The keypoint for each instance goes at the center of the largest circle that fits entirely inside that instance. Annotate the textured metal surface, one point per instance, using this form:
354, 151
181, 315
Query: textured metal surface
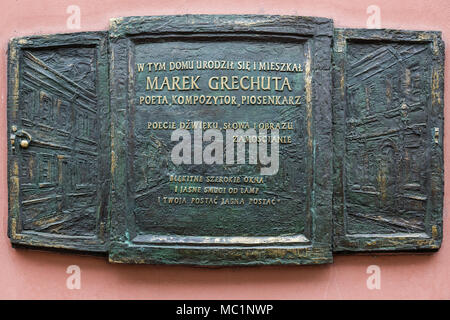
57, 118
388, 140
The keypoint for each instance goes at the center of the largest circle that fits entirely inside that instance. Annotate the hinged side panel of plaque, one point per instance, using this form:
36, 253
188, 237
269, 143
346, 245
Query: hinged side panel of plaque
58, 141
388, 140
178, 83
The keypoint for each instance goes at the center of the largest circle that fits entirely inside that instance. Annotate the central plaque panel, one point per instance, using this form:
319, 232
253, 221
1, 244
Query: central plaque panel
221, 126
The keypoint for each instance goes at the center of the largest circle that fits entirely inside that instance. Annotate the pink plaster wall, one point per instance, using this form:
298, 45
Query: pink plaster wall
32, 274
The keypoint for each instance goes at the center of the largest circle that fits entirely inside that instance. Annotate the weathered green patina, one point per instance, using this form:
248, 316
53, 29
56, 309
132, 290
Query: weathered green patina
92, 116
58, 120
388, 140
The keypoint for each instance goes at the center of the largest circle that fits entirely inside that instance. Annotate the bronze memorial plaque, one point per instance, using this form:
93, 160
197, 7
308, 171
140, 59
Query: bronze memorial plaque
226, 140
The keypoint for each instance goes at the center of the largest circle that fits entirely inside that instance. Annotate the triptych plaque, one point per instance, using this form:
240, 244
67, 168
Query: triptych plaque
226, 140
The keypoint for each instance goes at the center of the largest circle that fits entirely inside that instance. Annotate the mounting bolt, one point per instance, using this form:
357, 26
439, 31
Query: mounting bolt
436, 135
24, 144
